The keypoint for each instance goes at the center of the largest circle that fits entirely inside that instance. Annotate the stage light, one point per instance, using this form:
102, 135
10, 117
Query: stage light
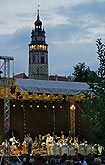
53, 106
14, 105
45, 106
72, 107
22, 105
31, 106
37, 106
60, 106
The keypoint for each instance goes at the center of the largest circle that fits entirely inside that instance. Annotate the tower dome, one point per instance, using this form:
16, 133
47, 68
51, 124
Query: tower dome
38, 23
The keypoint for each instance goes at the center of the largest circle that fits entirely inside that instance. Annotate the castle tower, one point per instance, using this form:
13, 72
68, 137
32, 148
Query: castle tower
38, 52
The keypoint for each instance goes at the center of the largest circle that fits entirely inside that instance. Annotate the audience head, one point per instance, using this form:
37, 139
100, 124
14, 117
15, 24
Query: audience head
97, 161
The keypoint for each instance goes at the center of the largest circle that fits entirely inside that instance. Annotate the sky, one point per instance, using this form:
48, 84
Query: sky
72, 28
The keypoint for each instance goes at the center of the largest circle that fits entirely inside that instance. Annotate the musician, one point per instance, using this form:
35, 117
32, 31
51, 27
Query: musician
5, 146
13, 141
39, 140
76, 145
29, 142
55, 139
49, 144
14, 146
69, 135
62, 135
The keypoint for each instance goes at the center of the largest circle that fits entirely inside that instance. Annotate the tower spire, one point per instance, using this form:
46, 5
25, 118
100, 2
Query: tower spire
38, 12
38, 23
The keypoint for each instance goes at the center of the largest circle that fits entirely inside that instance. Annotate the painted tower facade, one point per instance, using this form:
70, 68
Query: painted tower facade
38, 52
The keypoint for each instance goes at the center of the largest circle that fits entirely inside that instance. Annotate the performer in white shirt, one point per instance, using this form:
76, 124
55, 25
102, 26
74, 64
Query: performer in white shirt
13, 141
49, 144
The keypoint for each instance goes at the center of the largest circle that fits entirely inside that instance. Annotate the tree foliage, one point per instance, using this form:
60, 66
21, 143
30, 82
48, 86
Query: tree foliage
95, 100
101, 57
82, 73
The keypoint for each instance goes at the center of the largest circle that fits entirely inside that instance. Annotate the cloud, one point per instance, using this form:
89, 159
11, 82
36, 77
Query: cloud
20, 36
16, 45
81, 22
96, 8
71, 32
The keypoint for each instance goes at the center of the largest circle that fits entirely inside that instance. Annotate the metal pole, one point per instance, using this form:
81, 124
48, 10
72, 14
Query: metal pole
6, 106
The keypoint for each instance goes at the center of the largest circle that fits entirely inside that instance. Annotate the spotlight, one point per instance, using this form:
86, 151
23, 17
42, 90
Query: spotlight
30, 105
60, 106
72, 107
14, 105
21, 105
53, 106
37, 106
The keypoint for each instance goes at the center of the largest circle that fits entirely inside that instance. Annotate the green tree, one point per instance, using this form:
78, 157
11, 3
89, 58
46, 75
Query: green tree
82, 73
95, 100
101, 57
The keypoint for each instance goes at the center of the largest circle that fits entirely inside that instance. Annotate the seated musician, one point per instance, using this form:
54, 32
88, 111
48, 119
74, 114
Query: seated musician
39, 140
62, 135
13, 141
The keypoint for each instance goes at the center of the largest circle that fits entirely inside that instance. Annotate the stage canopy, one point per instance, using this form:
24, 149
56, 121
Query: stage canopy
51, 87
30, 89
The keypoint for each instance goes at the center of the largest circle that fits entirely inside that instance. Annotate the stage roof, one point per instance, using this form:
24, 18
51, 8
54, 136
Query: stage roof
51, 87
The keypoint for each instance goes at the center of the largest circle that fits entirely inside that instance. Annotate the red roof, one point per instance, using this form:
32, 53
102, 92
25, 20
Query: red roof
58, 78
21, 75
51, 77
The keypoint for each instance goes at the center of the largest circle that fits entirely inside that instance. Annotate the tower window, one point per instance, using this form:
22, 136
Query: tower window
42, 59
33, 59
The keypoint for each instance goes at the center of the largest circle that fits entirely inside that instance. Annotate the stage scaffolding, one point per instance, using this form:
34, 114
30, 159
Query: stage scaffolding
6, 85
